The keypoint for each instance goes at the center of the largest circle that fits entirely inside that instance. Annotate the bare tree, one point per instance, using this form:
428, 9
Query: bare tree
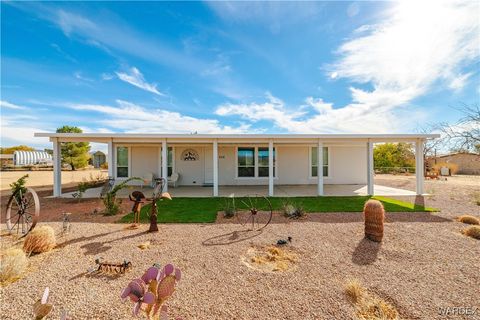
465, 133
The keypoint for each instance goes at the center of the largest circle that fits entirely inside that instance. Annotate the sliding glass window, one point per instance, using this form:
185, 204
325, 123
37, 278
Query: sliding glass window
246, 162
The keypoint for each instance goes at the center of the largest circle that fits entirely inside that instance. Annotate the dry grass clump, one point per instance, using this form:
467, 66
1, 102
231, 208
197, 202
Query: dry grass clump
472, 231
270, 258
12, 265
468, 219
369, 306
354, 290
40, 239
144, 245
453, 167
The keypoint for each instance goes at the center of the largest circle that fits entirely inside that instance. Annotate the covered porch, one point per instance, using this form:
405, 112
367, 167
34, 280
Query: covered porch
222, 165
240, 191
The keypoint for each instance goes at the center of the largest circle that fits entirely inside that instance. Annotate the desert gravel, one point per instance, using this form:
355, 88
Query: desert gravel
423, 264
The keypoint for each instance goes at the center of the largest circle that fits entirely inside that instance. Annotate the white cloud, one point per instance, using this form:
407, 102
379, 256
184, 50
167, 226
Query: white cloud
135, 78
416, 45
6, 104
129, 117
460, 81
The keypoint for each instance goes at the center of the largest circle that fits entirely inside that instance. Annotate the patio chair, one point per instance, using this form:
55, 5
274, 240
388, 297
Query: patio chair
148, 179
173, 179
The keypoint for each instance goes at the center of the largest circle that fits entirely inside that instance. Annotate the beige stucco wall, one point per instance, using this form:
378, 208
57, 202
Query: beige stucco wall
347, 165
144, 161
192, 173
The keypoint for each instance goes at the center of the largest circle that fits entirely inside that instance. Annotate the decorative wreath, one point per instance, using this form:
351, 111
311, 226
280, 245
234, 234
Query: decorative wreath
189, 155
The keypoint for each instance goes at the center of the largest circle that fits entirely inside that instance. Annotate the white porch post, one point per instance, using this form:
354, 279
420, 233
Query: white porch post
419, 166
57, 169
215, 168
110, 156
370, 171
320, 168
165, 164
270, 168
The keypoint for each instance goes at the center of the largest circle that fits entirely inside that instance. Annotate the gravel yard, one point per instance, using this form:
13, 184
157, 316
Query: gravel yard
423, 264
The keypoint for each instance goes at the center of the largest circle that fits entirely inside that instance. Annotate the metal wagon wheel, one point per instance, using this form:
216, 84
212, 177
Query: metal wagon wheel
23, 211
254, 211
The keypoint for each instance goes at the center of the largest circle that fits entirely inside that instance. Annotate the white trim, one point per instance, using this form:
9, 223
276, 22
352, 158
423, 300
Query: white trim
237, 136
310, 163
215, 167
370, 169
419, 167
255, 155
165, 163
57, 169
271, 153
110, 157
320, 163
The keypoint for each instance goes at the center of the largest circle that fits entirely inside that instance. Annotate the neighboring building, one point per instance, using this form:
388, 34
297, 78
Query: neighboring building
242, 159
6, 160
98, 159
468, 163
28, 158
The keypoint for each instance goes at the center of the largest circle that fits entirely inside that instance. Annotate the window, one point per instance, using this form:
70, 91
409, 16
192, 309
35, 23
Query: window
122, 162
246, 162
314, 158
263, 162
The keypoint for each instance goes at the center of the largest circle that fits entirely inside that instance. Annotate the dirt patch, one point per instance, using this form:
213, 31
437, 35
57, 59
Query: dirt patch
270, 258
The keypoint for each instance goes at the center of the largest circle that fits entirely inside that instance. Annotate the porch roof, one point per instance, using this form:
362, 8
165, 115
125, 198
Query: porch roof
232, 138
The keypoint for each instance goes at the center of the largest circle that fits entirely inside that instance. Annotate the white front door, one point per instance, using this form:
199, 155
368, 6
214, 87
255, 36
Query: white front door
208, 161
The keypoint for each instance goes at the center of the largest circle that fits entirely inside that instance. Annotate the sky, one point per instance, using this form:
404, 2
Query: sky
235, 67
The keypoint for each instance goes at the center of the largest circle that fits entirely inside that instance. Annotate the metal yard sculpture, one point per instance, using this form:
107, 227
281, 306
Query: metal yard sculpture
23, 208
138, 198
254, 210
158, 195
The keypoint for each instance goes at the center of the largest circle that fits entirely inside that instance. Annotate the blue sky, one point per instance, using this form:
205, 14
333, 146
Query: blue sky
230, 67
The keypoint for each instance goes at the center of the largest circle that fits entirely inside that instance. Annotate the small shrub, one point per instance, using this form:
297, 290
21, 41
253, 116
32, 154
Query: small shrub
476, 198
112, 205
13, 263
292, 210
229, 208
472, 231
468, 219
369, 306
41, 239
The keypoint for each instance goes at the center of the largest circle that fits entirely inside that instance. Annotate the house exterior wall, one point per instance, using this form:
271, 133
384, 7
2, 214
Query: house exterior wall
144, 161
347, 165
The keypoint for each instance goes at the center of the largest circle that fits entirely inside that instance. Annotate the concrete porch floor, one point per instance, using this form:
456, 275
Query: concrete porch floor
238, 191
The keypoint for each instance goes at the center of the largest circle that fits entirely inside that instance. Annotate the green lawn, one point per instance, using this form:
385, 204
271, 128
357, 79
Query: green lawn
195, 210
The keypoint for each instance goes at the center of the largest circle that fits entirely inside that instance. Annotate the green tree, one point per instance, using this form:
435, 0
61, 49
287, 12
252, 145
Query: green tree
74, 153
391, 155
11, 150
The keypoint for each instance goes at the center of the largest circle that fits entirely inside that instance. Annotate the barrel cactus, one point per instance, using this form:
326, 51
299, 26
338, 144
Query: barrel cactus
374, 216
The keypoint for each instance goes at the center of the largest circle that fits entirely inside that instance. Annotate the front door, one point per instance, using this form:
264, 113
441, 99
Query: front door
208, 161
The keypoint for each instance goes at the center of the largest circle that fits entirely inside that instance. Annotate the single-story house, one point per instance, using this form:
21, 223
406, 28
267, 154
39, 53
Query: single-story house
468, 163
217, 160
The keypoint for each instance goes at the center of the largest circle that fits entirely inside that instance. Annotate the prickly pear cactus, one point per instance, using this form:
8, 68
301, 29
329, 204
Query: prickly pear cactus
150, 292
42, 308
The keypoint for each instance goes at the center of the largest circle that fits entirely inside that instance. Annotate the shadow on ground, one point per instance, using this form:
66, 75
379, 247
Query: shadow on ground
366, 252
231, 237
